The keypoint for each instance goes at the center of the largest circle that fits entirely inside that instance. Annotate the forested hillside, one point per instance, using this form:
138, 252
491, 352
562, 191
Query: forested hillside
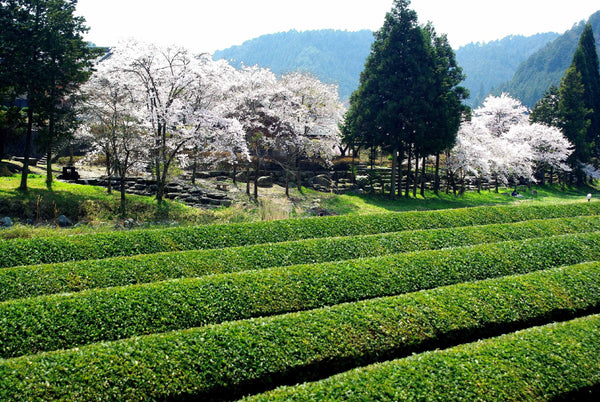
339, 57
487, 65
333, 56
547, 66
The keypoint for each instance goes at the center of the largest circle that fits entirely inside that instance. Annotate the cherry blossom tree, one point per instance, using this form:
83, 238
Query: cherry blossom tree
260, 103
112, 124
550, 149
470, 157
500, 143
500, 113
176, 90
313, 123
510, 161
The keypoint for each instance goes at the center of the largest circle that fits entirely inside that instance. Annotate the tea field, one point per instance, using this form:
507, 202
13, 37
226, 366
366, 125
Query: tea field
483, 303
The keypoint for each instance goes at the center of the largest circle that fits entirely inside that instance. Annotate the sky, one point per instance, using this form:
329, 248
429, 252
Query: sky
209, 25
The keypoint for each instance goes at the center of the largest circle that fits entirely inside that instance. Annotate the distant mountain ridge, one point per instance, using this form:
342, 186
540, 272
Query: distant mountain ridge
547, 66
488, 65
523, 66
333, 56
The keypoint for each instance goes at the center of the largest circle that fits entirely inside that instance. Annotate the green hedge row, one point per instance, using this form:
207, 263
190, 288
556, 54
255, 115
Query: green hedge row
104, 245
28, 281
63, 321
555, 362
223, 359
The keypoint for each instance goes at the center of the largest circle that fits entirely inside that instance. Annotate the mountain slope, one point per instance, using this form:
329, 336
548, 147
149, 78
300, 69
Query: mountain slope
487, 65
333, 56
547, 66
339, 57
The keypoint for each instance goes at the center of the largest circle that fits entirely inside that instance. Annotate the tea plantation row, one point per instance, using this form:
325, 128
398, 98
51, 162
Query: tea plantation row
31, 325
554, 362
253, 352
29, 281
250, 307
103, 245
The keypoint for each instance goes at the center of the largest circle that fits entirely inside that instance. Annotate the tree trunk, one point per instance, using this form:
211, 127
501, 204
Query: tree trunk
194, 167
160, 157
400, 160
436, 179
123, 202
298, 175
108, 174
27, 151
248, 179
394, 172
49, 151
408, 171
234, 174
49, 165
353, 169
423, 178
416, 181
287, 183
256, 173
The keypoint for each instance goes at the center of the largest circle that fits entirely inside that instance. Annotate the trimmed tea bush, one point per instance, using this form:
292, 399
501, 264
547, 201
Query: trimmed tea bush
103, 245
28, 281
553, 362
208, 361
63, 321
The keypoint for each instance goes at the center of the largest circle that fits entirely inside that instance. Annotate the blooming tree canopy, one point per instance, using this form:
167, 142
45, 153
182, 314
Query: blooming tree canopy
178, 95
313, 122
500, 113
499, 143
192, 109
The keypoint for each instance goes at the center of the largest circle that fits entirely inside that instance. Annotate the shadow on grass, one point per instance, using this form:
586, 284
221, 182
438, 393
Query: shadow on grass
348, 204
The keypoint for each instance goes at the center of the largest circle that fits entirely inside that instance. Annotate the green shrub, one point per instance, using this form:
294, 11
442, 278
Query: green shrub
27, 281
555, 362
104, 245
31, 325
215, 360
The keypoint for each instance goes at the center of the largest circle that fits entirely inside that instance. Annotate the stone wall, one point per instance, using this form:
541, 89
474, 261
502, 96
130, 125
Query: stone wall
177, 190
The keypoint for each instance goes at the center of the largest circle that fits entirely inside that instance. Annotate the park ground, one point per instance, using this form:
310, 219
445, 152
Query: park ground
92, 209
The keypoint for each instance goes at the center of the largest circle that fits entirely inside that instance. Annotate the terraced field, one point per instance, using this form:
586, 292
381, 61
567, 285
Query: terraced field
489, 303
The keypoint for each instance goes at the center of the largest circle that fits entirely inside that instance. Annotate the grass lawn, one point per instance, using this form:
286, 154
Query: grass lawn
100, 211
347, 204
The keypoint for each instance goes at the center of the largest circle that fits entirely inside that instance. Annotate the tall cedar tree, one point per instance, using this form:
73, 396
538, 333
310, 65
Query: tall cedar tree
384, 107
406, 92
586, 63
447, 108
574, 117
545, 111
43, 56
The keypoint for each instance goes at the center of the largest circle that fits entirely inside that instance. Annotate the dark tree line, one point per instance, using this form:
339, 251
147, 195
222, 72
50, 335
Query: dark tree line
574, 106
43, 56
409, 101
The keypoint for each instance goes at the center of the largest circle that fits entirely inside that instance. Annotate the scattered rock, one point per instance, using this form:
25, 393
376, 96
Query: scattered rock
265, 181
64, 222
129, 223
6, 222
322, 181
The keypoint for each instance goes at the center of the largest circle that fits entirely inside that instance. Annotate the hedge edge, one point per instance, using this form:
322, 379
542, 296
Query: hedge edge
103, 245
217, 360
31, 325
31, 281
